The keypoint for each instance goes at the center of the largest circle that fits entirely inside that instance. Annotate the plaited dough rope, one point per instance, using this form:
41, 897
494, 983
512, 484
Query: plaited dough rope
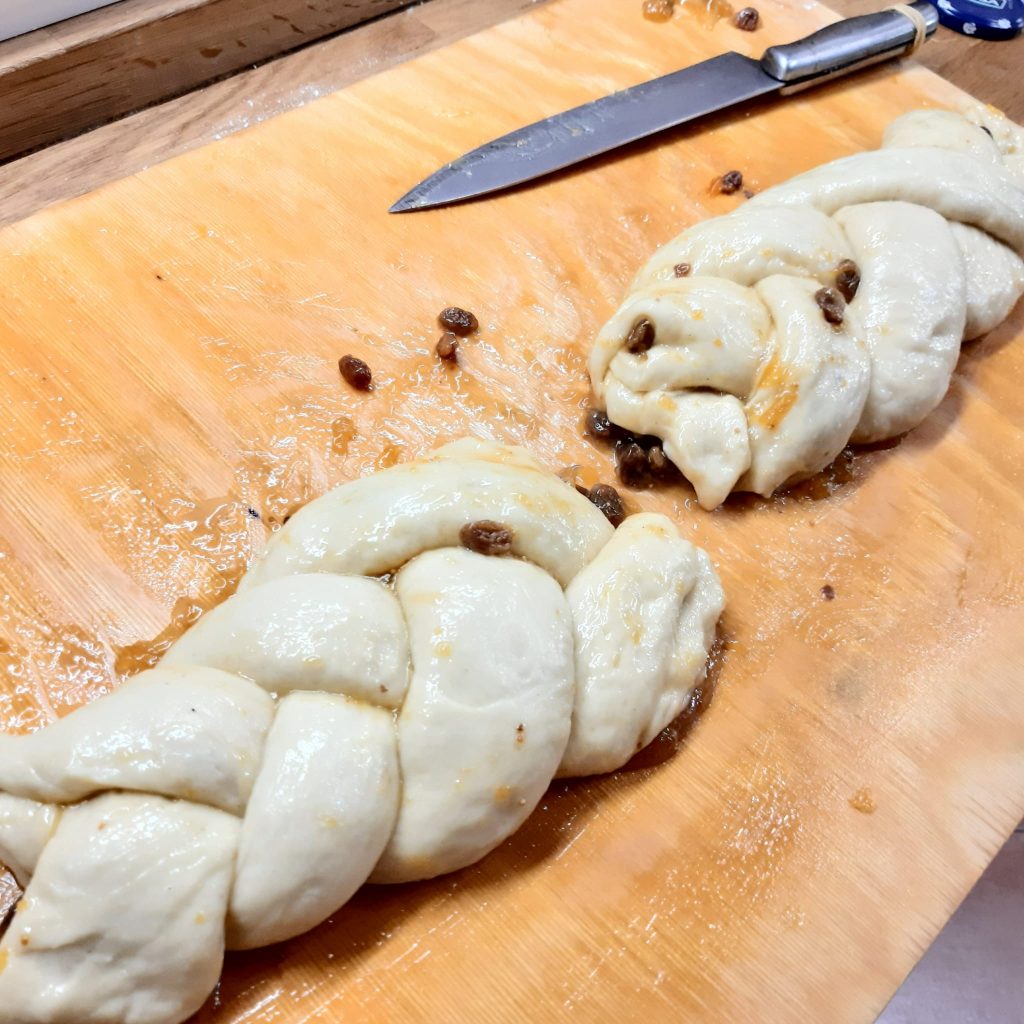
321, 728
752, 375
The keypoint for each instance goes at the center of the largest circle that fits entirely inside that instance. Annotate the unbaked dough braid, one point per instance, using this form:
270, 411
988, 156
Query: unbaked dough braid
746, 381
378, 701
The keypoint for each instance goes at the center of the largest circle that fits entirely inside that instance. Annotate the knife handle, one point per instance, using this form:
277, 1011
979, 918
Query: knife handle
848, 44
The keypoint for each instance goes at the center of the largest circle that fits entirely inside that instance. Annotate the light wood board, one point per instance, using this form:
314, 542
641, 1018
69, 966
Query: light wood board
169, 363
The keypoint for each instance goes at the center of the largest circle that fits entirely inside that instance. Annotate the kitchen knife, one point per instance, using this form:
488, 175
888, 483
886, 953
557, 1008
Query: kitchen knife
719, 83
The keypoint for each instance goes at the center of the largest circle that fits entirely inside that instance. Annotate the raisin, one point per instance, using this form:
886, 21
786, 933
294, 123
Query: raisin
730, 182
486, 537
682, 269
631, 464
608, 500
659, 463
598, 425
355, 372
847, 279
640, 337
748, 19
448, 347
828, 592
832, 305
458, 321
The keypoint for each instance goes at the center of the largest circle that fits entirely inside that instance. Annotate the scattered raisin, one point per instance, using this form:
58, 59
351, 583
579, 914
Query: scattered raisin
682, 269
486, 537
640, 337
598, 425
355, 372
748, 19
847, 279
828, 592
730, 182
448, 347
832, 305
458, 321
608, 500
631, 464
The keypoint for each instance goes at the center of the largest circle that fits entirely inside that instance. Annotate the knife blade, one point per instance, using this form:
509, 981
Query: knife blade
604, 124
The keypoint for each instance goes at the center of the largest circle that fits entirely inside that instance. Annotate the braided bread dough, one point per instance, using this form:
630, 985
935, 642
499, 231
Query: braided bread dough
747, 385
321, 728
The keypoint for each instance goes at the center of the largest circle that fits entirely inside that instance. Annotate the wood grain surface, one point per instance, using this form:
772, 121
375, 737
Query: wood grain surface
169, 364
75, 75
113, 151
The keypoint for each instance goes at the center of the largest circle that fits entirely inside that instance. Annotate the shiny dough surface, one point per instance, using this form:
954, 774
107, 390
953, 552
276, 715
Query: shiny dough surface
376, 702
747, 384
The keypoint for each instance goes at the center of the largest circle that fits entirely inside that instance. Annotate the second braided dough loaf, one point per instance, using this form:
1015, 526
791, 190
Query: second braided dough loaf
827, 310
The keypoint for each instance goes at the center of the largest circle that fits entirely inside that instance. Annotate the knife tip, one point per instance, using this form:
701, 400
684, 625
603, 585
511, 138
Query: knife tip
412, 200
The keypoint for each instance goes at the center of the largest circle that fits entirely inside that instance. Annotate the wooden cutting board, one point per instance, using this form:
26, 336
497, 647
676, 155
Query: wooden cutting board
168, 373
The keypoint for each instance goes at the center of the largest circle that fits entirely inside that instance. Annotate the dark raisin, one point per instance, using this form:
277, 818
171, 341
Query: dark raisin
847, 279
828, 592
731, 181
458, 321
448, 347
608, 500
486, 537
831, 303
640, 337
748, 19
631, 464
658, 461
598, 425
355, 372
682, 269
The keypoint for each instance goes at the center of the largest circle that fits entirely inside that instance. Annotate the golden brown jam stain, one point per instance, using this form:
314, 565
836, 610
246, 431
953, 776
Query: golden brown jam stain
658, 10
824, 484
707, 13
143, 654
863, 801
343, 431
771, 410
390, 455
